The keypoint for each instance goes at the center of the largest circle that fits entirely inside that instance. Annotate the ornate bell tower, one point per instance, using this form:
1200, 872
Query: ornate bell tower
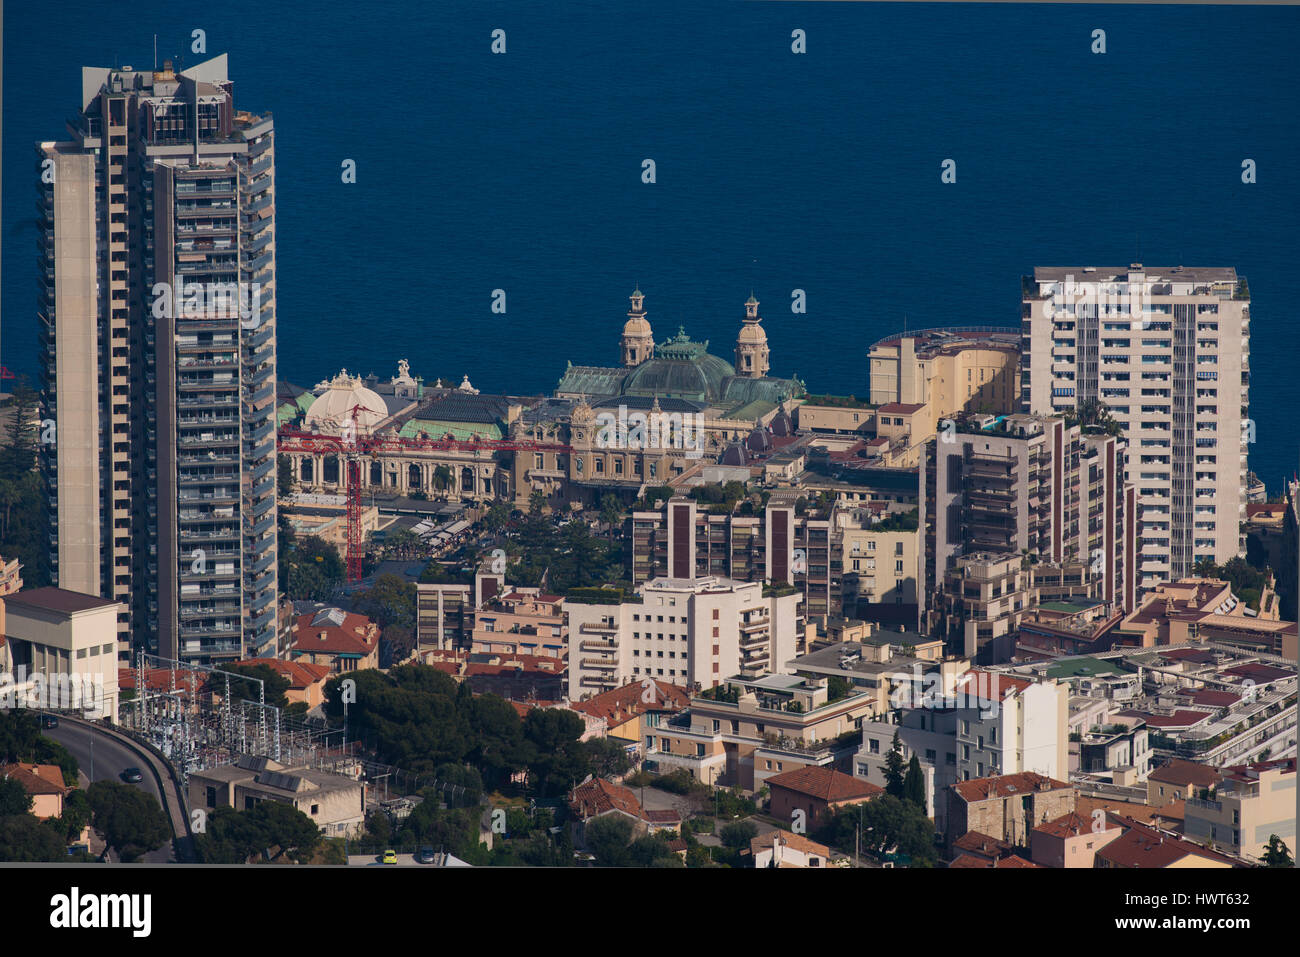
751, 344
638, 343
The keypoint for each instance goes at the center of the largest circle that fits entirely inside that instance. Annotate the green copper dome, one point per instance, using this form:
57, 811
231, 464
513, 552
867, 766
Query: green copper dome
680, 369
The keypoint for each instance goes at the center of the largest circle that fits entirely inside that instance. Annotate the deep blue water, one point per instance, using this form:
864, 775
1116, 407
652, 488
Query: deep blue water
775, 171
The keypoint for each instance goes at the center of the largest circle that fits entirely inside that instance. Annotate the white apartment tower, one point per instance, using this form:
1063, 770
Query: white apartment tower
1167, 350
691, 632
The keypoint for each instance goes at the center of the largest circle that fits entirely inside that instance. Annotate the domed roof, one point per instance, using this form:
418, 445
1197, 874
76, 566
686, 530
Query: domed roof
752, 332
734, 455
637, 326
680, 369
759, 440
781, 424
333, 409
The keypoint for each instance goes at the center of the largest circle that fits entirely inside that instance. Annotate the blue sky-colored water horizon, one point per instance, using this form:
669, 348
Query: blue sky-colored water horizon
775, 171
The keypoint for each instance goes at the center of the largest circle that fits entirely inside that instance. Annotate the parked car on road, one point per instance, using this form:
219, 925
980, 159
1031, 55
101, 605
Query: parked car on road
132, 775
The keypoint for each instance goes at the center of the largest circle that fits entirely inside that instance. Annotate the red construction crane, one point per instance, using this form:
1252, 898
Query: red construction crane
353, 446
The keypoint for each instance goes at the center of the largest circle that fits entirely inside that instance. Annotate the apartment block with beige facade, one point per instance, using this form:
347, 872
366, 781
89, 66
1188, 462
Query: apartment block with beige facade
692, 632
1031, 487
748, 729
1249, 804
1167, 349
946, 372
65, 646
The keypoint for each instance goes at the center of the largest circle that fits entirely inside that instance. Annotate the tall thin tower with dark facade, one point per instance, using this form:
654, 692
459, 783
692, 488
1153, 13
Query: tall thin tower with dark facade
158, 351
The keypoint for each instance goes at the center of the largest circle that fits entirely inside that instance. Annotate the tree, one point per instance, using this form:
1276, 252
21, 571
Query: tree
914, 784
894, 768
132, 821
270, 830
76, 814
27, 839
497, 517
315, 569
275, 685
389, 602
738, 834
608, 837
611, 511
283, 476
14, 798
1276, 853
536, 502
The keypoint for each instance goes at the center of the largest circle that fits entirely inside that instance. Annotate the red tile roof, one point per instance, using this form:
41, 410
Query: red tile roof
982, 845
599, 796
1010, 861
621, 704
36, 778
358, 635
1074, 824
1182, 773
1146, 847
1006, 785
825, 784
301, 674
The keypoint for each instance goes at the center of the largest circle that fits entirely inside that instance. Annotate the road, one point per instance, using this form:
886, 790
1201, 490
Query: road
110, 759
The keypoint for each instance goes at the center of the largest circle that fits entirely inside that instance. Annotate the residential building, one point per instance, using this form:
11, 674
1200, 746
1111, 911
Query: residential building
742, 732
1202, 609
1179, 780
1146, 847
157, 325
342, 641
1072, 840
966, 725
813, 794
597, 797
938, 374
43, 784
1167, 350
784, 849
691, 632
306, 680
1006, 807
65, 643
335, 802
523, 621
1029, 486
1249, 804
628, 709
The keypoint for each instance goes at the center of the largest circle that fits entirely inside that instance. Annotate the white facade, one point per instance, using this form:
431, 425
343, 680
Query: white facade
1168, 351
988, 725
686, 632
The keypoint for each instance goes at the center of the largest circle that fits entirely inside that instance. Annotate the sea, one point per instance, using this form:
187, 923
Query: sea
518, 179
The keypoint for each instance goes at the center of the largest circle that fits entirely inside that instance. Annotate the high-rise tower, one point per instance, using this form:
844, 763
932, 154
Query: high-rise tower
159, 278
1167, 351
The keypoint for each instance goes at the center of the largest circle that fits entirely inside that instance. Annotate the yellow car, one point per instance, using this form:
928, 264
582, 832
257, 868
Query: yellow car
390, 857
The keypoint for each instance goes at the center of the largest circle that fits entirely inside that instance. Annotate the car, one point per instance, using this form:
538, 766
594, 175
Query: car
425, 855
390, 857
49, 721
132, 775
